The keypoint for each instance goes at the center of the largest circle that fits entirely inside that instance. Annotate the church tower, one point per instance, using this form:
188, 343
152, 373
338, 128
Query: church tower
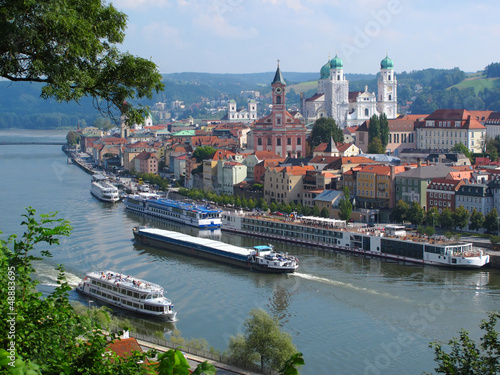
337, 93
279, 102
387, 101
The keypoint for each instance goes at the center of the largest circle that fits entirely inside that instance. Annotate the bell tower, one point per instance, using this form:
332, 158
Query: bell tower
279, 101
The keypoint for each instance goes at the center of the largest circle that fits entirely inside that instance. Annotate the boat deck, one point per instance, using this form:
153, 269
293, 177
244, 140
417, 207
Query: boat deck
125, 281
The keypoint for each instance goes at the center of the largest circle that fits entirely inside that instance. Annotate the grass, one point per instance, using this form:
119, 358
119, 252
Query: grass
478, 83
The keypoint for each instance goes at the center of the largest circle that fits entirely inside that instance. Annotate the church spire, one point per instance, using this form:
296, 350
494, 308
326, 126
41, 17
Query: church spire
278, 78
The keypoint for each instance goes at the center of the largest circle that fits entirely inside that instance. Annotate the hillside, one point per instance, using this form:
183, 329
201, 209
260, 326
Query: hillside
418, 92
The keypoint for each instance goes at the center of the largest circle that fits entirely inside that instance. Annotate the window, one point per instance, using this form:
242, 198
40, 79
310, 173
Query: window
278, 141
289, 141
278, 99
367, 113
259, 141
269, 141
299, 140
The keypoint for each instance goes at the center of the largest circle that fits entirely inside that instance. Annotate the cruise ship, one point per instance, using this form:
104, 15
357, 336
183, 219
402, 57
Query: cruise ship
260, 258
128, 293
391, 242
103, 190
168, 209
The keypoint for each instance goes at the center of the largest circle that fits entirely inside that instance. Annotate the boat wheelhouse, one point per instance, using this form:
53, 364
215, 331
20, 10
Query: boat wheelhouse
128, 293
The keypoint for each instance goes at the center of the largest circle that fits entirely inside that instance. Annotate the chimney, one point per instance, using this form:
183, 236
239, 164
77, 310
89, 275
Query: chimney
419, 162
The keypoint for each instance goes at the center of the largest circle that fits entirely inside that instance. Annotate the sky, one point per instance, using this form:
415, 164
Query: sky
250, 36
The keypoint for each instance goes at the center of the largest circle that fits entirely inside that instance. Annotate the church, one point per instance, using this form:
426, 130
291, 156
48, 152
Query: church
280, 132
334, 100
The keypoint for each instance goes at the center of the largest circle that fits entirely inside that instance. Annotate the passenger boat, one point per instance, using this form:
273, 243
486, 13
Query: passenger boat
260, 258
103, 190
128, 293
391, 242
169, 209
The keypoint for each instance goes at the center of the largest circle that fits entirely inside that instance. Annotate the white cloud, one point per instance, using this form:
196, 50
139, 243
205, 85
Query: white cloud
143, 5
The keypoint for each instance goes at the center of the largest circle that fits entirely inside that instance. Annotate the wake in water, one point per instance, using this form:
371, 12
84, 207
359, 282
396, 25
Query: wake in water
46, 274
345, 285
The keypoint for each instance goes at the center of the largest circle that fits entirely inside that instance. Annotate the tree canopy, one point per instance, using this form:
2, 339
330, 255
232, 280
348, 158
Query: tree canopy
71, 47
263, 342
345, 205
325, 128
203, 152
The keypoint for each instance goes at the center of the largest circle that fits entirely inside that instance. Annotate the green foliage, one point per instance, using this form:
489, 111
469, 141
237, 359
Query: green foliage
492, 70
495, 240
290, 366
345, 205
476, 220
263, 342
460, 217
324, 212
72, 138
400, 212
416, 214
432, 216
82, 58
152, 179
468, 358
325, 128
315, 210
491, 221
273, 207
460, 147
375, 147
203, 152
446, 219
173, 362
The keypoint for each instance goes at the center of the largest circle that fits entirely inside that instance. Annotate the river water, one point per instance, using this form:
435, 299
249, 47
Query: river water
346, 314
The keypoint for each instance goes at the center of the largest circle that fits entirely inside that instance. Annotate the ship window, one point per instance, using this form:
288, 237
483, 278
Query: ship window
129, 293
123, 291
136, 305
93, 282
136, 295
115, 289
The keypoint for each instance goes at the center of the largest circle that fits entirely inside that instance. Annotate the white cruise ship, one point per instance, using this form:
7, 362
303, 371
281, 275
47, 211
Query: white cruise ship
128, 293
103, 190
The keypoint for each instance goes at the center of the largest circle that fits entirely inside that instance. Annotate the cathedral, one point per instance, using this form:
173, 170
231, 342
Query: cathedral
334, 100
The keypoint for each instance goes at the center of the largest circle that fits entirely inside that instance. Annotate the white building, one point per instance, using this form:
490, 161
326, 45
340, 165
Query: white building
334, 100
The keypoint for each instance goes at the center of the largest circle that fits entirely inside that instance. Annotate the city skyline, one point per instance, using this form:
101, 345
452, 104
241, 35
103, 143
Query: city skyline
234, 36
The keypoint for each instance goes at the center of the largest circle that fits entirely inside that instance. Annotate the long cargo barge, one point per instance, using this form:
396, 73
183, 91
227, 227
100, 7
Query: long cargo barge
260, 258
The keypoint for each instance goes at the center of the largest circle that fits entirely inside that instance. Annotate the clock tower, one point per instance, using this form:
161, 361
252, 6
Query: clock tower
280, 132
279, 102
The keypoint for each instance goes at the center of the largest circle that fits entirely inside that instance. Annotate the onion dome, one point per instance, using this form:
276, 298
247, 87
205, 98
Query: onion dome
336, 63
386, 63
325, 71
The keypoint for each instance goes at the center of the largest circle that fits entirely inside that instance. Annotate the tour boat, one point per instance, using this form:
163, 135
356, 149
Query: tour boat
128, 293
103, 190
260, 258
391, 242
168, 209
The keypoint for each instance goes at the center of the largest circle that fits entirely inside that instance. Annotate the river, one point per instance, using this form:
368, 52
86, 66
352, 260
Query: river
346, 314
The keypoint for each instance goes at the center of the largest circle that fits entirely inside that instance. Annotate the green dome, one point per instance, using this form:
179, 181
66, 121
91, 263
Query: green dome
336, 63
386, 63
325, 71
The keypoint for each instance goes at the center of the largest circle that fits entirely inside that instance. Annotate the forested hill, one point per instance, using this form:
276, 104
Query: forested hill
420, 91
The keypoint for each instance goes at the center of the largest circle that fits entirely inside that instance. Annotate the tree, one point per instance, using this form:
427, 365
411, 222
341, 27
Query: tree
461, 148
416, 214
50, 336
400, 212
323, 130
71, 46
263, 343
203, 152
315, 210
375, 147
460, 217
374, 128
491, 221
72, 138
432, 216
468, 358
384, 130
446, 219
324, 212
476, 220
345, 205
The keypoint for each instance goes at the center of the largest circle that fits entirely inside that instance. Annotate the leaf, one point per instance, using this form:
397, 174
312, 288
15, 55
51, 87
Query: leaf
205, 368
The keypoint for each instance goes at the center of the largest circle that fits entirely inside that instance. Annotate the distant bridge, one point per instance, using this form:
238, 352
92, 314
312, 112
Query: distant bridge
32, 143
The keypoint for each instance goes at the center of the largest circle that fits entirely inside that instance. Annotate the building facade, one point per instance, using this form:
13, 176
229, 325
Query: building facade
280, 132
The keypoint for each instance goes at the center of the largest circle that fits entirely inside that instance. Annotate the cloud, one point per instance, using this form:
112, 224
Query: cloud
143, 5
161, 34
218, 25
